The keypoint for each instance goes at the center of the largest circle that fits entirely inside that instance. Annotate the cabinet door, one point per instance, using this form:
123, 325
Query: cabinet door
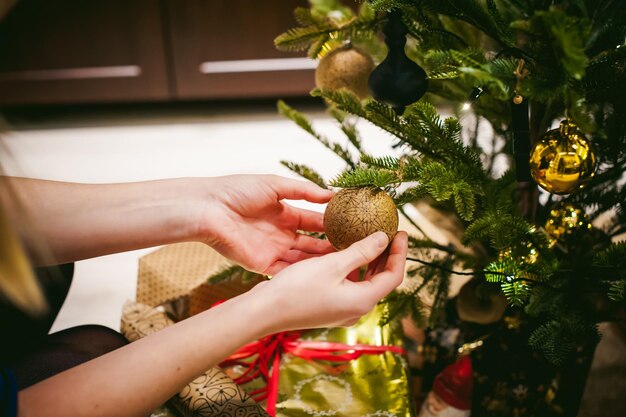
55, 51
224, 48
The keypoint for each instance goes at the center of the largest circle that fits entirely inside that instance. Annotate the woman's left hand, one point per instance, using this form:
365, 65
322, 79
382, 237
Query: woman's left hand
246, 220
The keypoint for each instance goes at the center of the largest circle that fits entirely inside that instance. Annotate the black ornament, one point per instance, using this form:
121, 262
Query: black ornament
397, 81
521, 140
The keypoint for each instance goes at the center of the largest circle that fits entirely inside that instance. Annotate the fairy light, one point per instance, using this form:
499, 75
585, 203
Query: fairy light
473, 97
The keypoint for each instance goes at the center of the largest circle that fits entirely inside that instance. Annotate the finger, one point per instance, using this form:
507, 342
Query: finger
377, 266
311, 244
381, 284
293, 256
360, 253
287, 188
310, 221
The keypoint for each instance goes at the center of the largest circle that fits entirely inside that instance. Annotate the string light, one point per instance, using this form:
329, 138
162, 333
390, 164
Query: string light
473, 97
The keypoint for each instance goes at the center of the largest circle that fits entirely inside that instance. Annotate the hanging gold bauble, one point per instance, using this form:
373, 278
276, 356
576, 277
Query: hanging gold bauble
566, 219
562, 161
345, 67
355, 213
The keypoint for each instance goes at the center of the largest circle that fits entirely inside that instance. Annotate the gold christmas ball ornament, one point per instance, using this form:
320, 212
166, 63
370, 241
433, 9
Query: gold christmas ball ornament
345, 67
566, 219
355, 213
562, 161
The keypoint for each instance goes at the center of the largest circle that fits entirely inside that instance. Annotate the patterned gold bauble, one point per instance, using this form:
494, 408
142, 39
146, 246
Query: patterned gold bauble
566, 219
562, 161
345, 67
355, 213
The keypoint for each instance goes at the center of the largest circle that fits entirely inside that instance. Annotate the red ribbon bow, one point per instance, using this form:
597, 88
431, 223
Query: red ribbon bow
269, 350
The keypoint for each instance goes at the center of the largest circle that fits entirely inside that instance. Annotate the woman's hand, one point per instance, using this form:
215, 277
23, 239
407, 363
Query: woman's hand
242, 216
318, 293
246, 220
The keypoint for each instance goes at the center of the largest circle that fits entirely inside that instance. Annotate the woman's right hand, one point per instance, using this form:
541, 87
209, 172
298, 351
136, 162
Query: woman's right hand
317, 292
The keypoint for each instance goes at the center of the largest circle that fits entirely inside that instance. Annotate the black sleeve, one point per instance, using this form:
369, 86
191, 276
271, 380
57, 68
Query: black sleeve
8, 394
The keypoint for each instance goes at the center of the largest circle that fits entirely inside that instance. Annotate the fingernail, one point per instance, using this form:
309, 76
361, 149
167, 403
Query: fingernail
381, 239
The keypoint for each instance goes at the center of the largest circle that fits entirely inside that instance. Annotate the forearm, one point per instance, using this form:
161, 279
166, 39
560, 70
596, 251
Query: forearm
134, 380
79, 221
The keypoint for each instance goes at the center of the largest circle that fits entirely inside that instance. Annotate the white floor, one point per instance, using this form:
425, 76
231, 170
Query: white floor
174, 146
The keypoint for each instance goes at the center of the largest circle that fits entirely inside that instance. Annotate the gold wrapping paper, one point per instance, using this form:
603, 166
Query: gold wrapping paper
370, 386
175, 276
374, 385
212, 394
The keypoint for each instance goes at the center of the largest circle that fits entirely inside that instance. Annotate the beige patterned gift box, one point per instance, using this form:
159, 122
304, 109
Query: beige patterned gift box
176, 277
212, 394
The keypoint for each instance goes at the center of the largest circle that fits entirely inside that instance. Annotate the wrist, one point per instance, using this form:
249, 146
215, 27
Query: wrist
191, 203
262, 308
243, 319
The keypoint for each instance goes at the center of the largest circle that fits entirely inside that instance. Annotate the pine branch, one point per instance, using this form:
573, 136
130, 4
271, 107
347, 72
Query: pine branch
469, 11
384, 162
613, 256
444, 183
360, 177
343, 99
305, 124
316, 32
410, 195
550, 340
347, 127
305, 172
500, 228
443, 268
226, 274
558, 338
426, 243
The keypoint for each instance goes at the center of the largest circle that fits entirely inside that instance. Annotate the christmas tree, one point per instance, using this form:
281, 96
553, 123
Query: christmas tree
547, 226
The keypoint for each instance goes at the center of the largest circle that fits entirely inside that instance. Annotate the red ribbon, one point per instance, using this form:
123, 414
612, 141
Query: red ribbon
269, 350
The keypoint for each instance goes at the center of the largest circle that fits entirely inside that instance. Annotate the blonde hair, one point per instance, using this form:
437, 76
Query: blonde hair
18, 283
17, 279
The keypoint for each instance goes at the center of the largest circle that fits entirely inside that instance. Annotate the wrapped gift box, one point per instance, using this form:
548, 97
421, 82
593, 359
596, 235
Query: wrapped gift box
212, 394
176, 277
177, 280
318, 376
374, 385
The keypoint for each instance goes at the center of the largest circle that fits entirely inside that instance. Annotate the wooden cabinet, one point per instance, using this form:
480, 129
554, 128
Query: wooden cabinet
75, 51
58, 51
224, 48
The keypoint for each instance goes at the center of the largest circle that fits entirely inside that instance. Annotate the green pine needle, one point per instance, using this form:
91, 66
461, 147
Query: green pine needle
306, 172
361, 177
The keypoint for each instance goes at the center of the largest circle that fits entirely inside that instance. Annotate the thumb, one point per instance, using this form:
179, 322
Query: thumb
361, 253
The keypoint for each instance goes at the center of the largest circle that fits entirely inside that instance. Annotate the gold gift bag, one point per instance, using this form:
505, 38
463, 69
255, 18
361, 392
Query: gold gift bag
373, 385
